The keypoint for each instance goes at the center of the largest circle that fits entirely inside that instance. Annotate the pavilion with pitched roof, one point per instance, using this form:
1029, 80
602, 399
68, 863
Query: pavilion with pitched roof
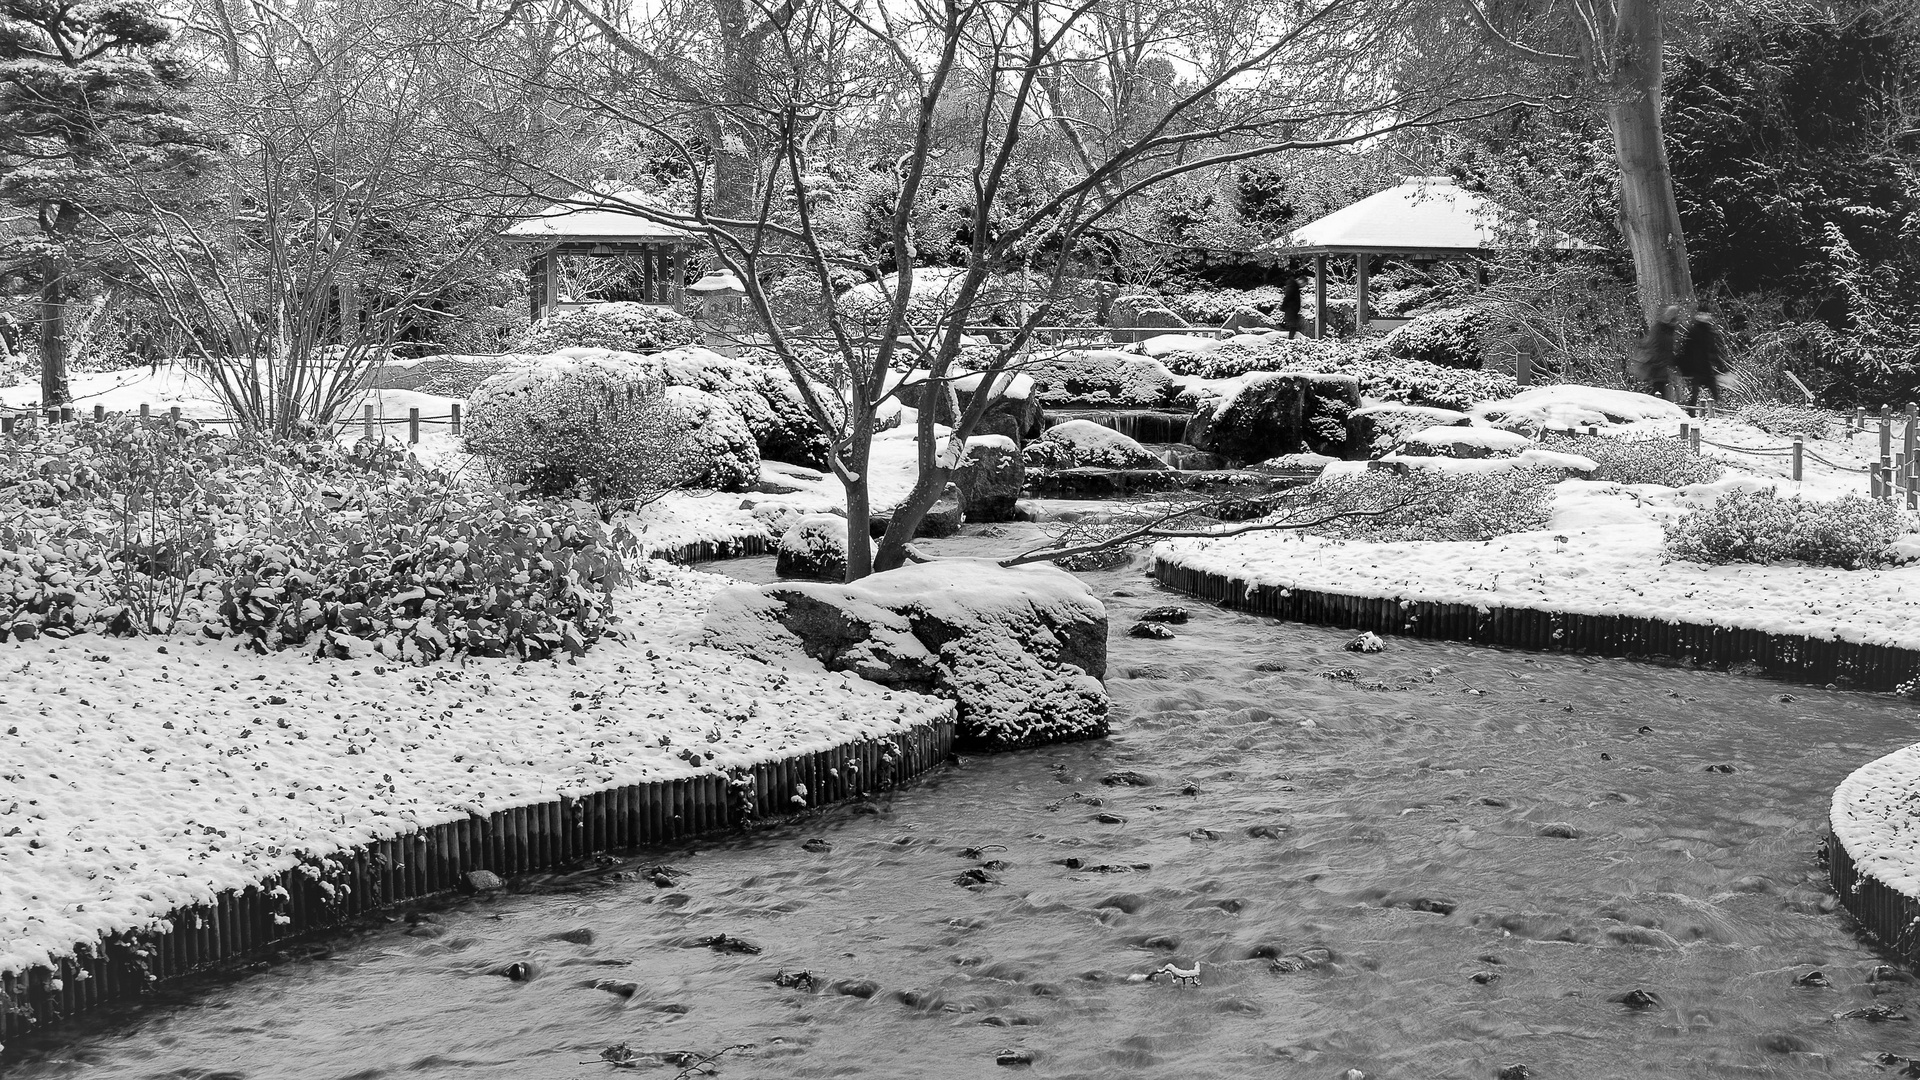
1422, 217
603, 226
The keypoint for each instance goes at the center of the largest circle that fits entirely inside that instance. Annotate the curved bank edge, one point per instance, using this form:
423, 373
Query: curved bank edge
327, 892
1873, 849
1790, 656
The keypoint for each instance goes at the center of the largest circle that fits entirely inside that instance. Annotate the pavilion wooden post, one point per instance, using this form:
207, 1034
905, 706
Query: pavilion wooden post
647, 257
1360, 293
1319, 296
543, 282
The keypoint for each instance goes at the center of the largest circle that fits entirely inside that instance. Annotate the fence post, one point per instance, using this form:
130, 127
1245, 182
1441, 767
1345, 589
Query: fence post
1859, 418
53, 414
99, 413
173, 414
1886, 439
146, 412
413, 426
366, 422
1694, 439
456, 418
1799, 457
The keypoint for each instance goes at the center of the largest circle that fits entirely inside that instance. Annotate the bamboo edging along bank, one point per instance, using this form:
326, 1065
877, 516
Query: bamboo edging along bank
327, 891
1792, 656
1891, 915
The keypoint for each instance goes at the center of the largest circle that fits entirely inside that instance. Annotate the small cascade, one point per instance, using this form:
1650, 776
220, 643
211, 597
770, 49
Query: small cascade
1181, 455
1140, 425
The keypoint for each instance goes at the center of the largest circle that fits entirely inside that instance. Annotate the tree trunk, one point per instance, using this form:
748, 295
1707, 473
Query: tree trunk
859, 493
1649, 215
53, 332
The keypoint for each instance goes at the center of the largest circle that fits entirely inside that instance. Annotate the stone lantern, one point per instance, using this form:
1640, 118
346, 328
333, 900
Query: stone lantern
722, 311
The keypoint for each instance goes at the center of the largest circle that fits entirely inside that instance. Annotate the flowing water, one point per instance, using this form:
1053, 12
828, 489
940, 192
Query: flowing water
1432, 862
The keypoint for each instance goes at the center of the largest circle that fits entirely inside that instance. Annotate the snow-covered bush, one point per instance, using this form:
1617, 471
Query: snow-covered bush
763, 393
127, 527
1432, 505
1085, 444
1213, 306
1640, 461
1850, 533
640, 328
1454, 338
1786, 421
719, 451
596, 426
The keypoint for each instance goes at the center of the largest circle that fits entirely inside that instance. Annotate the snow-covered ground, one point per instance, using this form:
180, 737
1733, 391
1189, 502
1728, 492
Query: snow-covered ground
140, 775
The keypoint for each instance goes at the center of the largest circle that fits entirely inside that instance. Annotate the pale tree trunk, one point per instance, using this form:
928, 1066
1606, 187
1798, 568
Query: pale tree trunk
1649, 215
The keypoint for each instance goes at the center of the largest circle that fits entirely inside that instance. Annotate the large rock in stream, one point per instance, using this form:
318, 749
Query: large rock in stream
1020, 651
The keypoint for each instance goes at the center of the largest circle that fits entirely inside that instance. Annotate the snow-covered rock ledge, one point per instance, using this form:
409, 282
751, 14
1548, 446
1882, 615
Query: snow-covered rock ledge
1019, 651
163, 789
1874, 854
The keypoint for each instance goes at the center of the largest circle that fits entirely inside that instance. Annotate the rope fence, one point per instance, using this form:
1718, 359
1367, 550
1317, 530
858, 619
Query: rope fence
370, 421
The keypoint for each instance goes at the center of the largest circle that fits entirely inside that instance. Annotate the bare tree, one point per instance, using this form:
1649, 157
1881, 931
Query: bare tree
341, 211
944, 110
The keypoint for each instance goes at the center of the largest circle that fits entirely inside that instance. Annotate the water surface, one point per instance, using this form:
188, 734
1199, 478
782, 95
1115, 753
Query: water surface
1430, 862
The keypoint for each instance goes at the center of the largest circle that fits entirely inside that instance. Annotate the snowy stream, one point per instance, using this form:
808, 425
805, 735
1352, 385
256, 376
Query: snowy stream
1431, 862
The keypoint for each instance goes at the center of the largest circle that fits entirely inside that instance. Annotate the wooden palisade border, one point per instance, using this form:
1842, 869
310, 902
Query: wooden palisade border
328, 891
1862, 667
1891, 915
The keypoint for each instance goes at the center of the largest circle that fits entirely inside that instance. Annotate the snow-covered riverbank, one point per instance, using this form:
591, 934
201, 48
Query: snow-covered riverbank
138, 776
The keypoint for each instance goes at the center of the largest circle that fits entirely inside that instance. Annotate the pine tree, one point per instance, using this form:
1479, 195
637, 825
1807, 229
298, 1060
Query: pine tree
91, 105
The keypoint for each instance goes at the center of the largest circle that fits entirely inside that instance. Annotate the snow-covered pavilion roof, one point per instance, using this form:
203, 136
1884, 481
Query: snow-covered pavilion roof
1423, 215
593, 217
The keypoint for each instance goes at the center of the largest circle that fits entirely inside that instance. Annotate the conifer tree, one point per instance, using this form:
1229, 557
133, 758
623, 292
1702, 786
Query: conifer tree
91, 104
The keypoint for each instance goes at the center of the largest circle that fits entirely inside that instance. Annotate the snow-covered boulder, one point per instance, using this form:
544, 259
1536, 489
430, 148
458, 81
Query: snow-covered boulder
719, 447
943, 518
1013, 411
814, 547
1379, 428
1085, 444
1272, 413
1465, 442
1572, 405
1164, 344
1103, 377
1019, 651
990, 477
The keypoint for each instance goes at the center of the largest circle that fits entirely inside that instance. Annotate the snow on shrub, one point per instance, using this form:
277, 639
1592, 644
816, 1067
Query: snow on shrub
127, 527
1850, 533
1786, 421
1101, 376
1085, 444
1670, 462
1215, 305
763, 394
592, 425
1431, 504
639, 328
718, 446
1453, 337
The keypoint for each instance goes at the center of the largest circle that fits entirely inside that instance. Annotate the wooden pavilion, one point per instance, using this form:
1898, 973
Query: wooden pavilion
1422, 217
603, 226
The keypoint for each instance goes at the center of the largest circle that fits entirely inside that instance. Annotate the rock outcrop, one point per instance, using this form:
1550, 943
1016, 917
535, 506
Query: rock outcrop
1020, 652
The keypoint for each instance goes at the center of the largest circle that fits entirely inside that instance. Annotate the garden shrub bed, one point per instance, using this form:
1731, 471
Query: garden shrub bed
127, 526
